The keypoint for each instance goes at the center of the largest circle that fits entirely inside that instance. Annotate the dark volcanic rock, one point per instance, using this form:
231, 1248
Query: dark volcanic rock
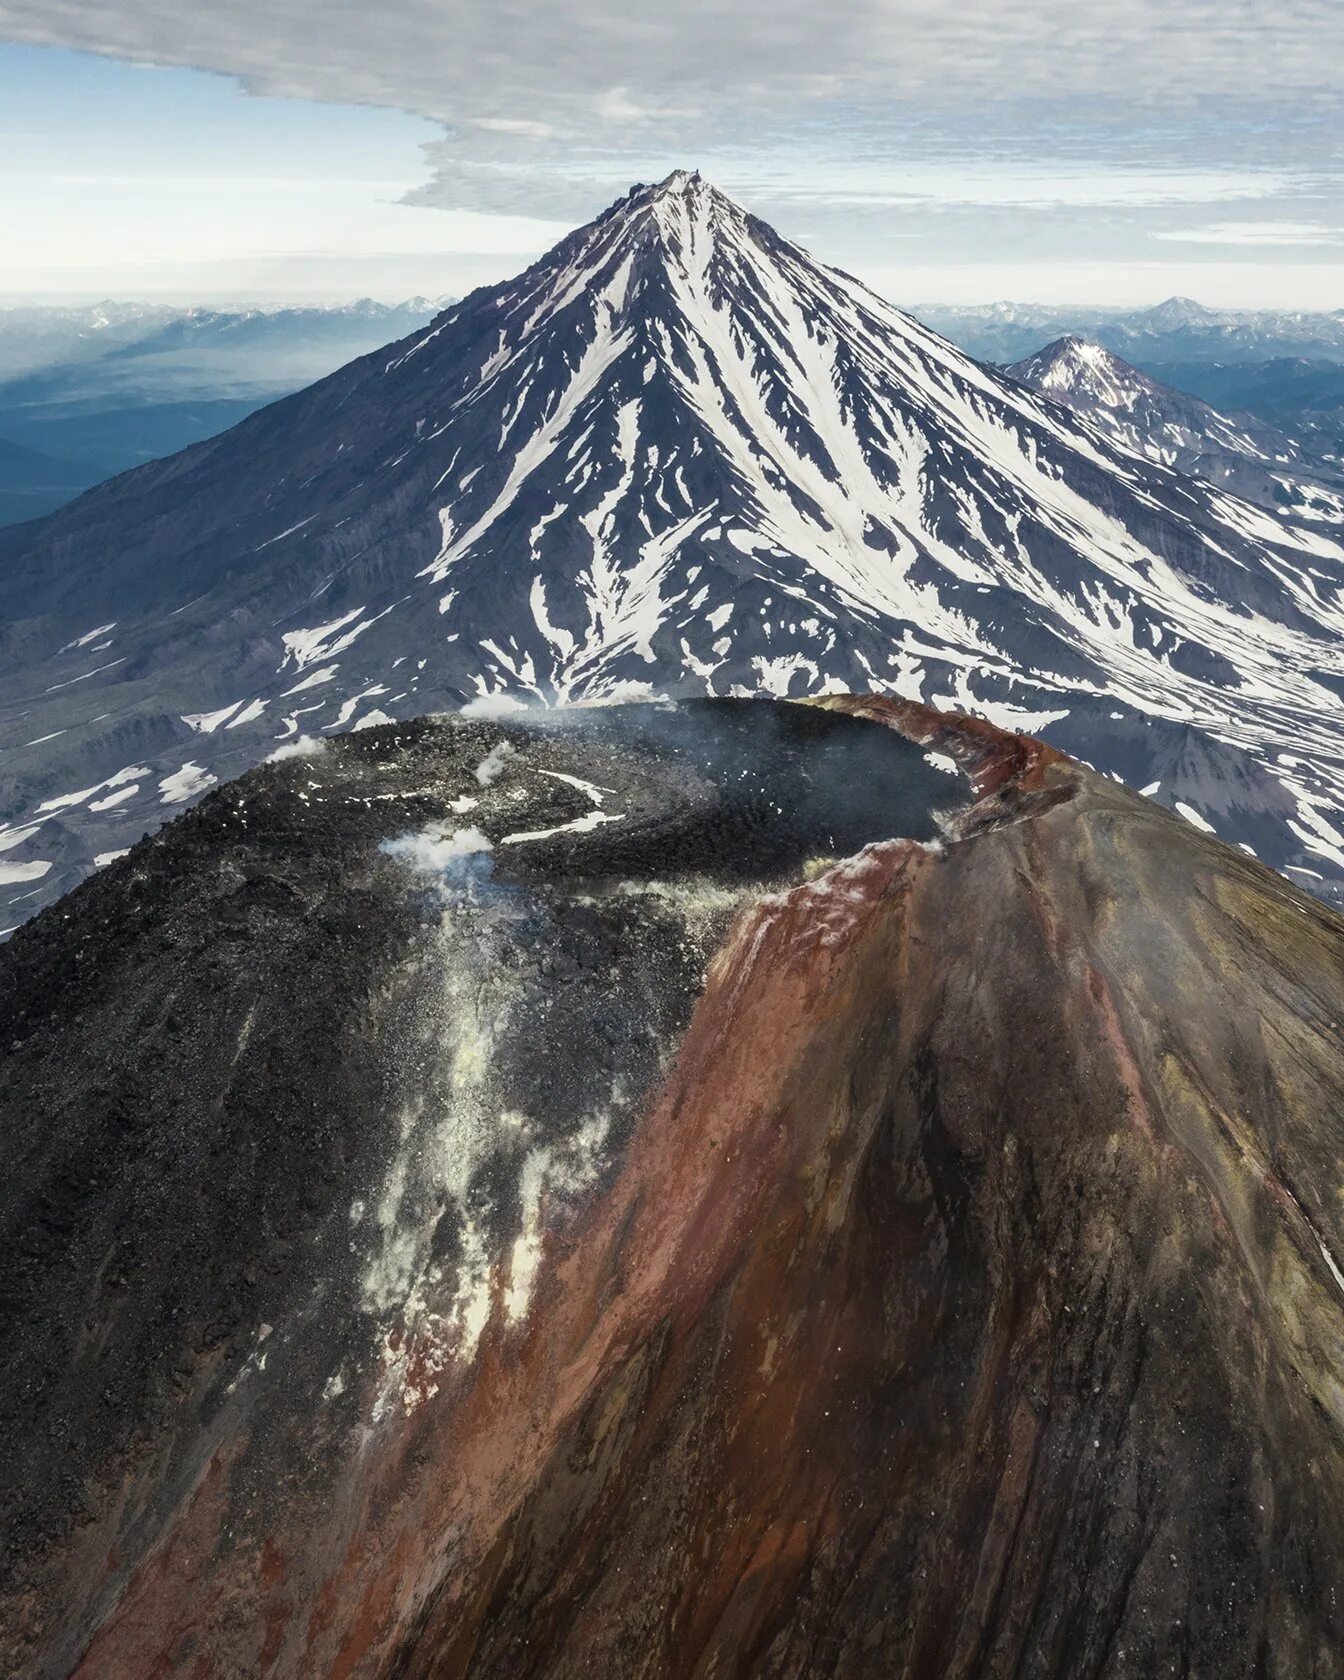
502, 1198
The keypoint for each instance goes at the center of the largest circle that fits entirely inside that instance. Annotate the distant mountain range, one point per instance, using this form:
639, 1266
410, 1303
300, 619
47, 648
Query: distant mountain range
88, 392
1005, 332
108, 387
1303, 394
1284, 366
674, 456
113, 341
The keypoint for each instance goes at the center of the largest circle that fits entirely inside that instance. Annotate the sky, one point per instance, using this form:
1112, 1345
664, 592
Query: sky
1066, 151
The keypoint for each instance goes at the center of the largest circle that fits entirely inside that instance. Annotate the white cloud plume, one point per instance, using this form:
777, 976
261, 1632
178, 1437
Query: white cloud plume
491, 767
304, 746
494, 706
433, 851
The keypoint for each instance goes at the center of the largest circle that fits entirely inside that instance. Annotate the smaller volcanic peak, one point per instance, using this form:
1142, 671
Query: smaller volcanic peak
1235, 452
1073, 368
1173, 313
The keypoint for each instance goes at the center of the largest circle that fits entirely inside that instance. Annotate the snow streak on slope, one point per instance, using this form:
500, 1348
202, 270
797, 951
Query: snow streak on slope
678, 455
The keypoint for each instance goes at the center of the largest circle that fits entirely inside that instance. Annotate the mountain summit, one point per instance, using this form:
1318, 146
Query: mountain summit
676, 455
1238, 452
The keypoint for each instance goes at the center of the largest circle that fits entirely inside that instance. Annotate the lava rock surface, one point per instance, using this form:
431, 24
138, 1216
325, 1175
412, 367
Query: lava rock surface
732, 1188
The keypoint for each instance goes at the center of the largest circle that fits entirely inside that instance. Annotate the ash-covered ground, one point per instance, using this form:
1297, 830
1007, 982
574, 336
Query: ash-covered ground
286, 1090
608, 1193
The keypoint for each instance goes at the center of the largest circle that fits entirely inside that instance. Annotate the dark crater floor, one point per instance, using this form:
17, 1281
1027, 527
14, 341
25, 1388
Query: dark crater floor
743, 791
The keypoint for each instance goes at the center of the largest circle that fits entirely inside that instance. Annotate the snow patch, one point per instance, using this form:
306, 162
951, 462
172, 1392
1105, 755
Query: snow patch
111, 800
89, 636
252, 710
322, 641
12, 872
186, 783
579, 825
1193, 816
206, 723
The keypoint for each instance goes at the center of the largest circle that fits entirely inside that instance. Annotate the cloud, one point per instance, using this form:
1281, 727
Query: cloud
546, 109
1017, 185
304, 746
1256, 233
456, 856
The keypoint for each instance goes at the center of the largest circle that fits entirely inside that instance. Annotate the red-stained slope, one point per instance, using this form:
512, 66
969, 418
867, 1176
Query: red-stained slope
965, 1303
993, 759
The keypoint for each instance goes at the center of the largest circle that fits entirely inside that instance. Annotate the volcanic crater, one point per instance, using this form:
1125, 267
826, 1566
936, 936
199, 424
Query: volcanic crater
734, 1187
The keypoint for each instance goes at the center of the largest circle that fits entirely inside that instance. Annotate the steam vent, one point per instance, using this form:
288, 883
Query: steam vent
736, 1188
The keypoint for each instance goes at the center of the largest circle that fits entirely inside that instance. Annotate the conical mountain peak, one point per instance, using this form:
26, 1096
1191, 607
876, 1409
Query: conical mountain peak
683, 205
690, 187
680, 181
662, 247
1071, 363
675, 454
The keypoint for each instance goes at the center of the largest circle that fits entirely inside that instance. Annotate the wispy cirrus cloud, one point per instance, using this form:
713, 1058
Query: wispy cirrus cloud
1256, 233
1025, 185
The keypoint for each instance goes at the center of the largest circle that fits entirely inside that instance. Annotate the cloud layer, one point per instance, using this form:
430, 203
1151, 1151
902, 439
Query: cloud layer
545, 107
879, 131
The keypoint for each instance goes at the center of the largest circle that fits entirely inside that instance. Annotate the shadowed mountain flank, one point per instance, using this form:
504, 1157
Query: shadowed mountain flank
731, 1188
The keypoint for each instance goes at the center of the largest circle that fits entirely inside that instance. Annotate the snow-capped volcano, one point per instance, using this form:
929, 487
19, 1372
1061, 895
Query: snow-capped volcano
675, 455
1238, 452
1095, 381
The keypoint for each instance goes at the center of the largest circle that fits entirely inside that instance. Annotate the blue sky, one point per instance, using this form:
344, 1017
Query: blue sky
1105, 151
118, 180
